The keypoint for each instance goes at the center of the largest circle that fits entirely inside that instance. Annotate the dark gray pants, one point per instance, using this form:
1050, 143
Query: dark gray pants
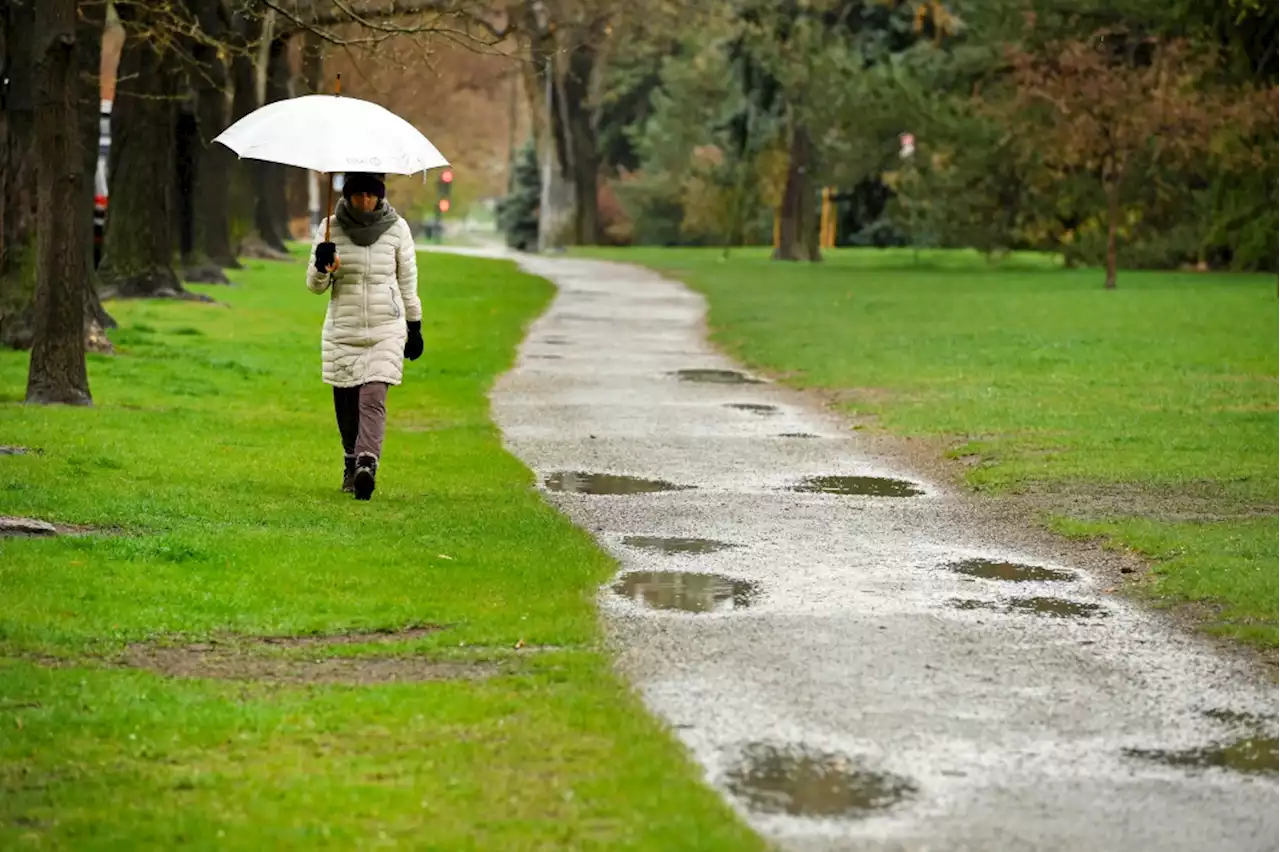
362, 418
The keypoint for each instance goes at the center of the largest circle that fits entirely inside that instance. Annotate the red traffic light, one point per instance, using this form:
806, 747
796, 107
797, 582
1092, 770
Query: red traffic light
446, 176
444, 205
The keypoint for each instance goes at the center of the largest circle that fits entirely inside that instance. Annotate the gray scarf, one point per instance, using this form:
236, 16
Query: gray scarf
363, 229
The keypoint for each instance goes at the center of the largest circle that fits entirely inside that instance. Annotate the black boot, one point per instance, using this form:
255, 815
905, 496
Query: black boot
366, 476
349, 474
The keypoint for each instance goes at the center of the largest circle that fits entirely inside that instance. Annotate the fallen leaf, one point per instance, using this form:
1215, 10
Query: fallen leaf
17, 720
519, 644
1110, 590
443, 556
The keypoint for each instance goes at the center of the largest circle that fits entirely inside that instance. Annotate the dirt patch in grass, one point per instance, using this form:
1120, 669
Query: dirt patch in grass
379, 637
275, 660
1190, 501
6, 450
239, 663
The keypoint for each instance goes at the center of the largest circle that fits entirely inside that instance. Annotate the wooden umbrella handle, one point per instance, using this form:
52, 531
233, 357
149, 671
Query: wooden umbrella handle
328, 204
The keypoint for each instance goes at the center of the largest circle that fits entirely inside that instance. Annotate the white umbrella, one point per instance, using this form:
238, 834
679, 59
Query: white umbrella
329, 133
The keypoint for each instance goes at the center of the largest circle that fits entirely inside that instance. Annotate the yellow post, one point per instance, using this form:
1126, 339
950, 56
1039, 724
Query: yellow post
777, 229
822, 221
828, 229
831, 221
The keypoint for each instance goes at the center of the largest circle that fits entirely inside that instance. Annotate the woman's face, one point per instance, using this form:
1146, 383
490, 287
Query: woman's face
363, 201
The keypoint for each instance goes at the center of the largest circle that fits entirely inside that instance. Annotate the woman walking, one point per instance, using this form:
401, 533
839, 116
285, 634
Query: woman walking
374, 319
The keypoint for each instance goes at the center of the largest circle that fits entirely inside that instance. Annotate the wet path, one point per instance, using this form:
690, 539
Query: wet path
857, 658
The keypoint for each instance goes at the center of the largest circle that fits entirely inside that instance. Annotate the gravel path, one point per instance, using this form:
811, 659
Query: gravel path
892, 668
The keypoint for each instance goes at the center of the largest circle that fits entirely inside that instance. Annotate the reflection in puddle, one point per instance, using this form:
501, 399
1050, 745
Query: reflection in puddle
578, 482
754, 408
867, 486
676, 545
1239, 719
970, 604
686, 591
719, 377
1256, 755
1054, 607
1057, 607
990, 569
802, 782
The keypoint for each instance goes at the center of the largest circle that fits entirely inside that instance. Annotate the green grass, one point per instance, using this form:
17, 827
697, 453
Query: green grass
212, 459
1156, 403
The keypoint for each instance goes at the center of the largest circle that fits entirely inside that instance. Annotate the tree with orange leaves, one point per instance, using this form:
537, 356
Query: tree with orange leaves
1118, 107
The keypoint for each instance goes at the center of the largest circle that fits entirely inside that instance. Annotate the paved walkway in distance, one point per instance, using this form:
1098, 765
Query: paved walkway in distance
883, 669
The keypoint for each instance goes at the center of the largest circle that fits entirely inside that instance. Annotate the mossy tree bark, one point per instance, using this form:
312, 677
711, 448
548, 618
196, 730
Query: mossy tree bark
213, 192
139, 250
17, 173
246, 30
270, 212
57, 372
798, 220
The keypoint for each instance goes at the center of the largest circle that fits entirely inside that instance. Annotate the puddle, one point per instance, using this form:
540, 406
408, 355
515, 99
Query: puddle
554, 341
686, 591
1256, 755
677, 545
578, 482
1057, 607
754, 408
866, 486
18, 451
717, 377
546, 357
1239, 719
971, 604
797, 435
990, 569
1053, 607
801, 782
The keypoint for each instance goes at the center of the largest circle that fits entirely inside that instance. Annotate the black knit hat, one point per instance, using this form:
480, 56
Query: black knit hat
370, 182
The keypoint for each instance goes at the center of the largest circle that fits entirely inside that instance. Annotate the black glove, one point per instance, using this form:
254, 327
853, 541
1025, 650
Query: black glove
413, 346
326, 254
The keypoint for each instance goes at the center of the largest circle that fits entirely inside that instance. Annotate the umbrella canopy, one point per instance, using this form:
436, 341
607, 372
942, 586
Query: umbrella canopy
327, 133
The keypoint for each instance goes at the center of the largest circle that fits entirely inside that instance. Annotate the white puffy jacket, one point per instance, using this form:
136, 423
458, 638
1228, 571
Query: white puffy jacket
374, 293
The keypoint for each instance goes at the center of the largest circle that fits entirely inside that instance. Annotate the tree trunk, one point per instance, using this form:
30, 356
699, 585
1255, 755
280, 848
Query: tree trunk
246, 31
213, 195
57, 372
17, 174
798, 236
309, 81
90, 25
270, 214
1113, 226
313, 83
580, 136
138, 253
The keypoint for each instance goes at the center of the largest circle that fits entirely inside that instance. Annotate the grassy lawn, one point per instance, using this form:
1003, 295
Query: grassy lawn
1145, 415
211, 465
